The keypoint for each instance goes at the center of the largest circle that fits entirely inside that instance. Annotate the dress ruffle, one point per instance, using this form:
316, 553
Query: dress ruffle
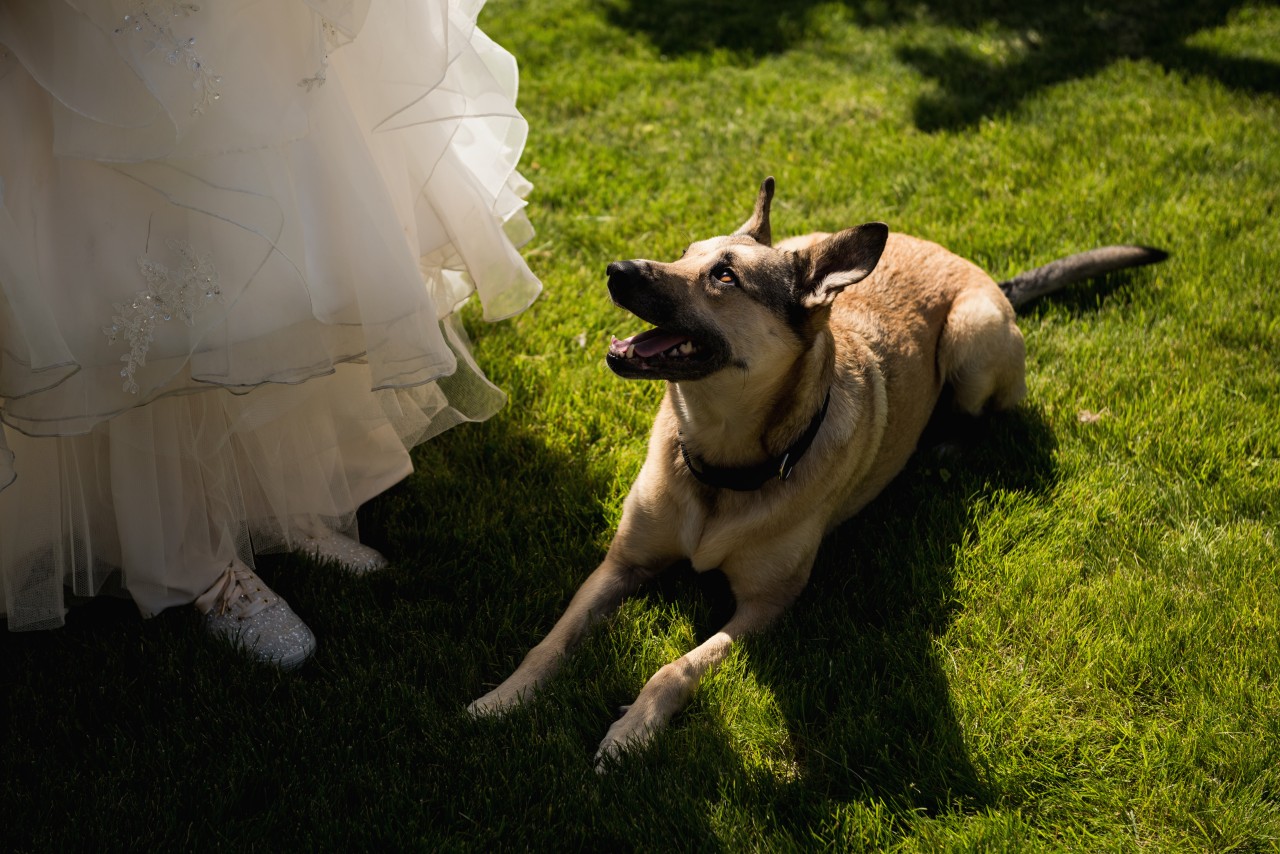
233, 237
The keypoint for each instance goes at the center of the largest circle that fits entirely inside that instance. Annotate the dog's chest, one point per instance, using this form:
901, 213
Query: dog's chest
710, 546
712, 535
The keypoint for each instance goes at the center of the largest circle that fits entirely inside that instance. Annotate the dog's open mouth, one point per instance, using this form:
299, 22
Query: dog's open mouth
654, 345
661, 354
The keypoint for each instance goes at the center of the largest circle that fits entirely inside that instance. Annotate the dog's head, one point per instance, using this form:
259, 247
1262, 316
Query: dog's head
735, 301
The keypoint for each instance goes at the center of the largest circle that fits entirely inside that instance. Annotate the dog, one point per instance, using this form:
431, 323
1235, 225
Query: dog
800, 378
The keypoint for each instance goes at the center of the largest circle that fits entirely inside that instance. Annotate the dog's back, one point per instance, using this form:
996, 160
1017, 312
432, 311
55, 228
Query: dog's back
930, 318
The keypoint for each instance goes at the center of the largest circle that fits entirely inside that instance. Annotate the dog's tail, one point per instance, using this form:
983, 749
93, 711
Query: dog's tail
1033, 284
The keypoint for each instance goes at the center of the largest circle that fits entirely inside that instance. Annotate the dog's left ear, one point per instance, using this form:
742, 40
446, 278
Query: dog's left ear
757, 228
848, 256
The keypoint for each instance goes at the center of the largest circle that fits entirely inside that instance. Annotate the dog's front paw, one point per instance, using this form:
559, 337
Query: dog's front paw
630, 732
496, 703
537, 667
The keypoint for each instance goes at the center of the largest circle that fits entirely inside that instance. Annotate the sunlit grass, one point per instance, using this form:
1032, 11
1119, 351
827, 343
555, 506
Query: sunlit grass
1064, 638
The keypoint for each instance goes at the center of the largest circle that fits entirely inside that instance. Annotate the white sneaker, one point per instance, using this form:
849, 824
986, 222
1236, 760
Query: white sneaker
243, 609
353, 556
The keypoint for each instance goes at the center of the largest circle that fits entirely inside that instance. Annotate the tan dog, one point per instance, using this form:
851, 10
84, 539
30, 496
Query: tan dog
792, 400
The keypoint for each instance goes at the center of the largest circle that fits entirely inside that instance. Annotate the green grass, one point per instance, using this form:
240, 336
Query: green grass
1067, 638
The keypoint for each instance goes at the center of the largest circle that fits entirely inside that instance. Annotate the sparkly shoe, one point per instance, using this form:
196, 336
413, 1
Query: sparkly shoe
245, 611
353, 556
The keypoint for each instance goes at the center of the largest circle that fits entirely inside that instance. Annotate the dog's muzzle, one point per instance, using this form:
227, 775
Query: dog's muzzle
623, 276
622, 269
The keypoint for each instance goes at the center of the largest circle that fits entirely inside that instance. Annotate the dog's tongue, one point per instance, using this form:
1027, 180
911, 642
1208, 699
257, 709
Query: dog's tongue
652, 343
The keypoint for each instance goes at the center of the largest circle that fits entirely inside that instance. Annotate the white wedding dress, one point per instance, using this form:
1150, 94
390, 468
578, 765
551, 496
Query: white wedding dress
233, 237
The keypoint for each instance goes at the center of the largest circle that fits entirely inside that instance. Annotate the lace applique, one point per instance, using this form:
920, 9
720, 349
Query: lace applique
147, 19
329, 37
183, 292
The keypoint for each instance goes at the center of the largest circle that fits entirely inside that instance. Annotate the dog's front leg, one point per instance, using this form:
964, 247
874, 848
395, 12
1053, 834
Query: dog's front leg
669, 689
599, 596
643, 547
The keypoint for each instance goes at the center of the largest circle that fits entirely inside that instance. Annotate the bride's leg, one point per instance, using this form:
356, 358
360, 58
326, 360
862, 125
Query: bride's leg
308, 456
182, 530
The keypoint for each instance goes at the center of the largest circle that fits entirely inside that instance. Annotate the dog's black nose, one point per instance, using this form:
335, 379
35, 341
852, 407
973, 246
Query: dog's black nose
622, 269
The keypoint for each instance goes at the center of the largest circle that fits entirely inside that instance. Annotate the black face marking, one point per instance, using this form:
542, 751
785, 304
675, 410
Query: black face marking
679, 297
680, 347
770, 282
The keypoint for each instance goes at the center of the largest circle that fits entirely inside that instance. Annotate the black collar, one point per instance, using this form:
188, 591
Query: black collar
750, 478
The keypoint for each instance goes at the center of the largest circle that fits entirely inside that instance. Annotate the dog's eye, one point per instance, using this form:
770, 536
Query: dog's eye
725, 276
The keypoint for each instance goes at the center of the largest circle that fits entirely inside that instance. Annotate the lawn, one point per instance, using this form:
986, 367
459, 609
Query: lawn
1064, 637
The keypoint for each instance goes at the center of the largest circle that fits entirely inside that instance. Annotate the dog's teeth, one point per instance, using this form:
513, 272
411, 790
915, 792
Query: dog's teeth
631, 352
684, 348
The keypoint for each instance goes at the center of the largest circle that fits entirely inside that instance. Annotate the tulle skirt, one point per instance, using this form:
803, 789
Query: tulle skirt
233, 239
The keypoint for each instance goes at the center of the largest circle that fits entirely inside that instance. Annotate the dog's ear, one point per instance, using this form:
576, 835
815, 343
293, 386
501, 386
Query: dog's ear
849, 256
757, 228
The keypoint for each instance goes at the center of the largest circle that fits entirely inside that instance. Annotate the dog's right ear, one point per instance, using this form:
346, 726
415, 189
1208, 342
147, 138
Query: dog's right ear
849, 256
757, 228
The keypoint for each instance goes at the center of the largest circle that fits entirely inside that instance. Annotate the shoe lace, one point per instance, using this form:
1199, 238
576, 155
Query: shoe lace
239, 592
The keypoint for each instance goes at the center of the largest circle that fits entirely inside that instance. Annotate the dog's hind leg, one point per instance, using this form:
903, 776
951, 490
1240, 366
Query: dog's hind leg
982, 354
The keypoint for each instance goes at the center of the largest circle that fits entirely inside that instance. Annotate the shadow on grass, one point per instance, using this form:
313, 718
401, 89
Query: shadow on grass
855, 666
123, 733
1048, 44
152, 735
1042, 44
493, 528
889, 725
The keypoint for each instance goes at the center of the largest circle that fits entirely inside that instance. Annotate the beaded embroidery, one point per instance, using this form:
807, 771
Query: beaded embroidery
183, 292
329, 39
147, 20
